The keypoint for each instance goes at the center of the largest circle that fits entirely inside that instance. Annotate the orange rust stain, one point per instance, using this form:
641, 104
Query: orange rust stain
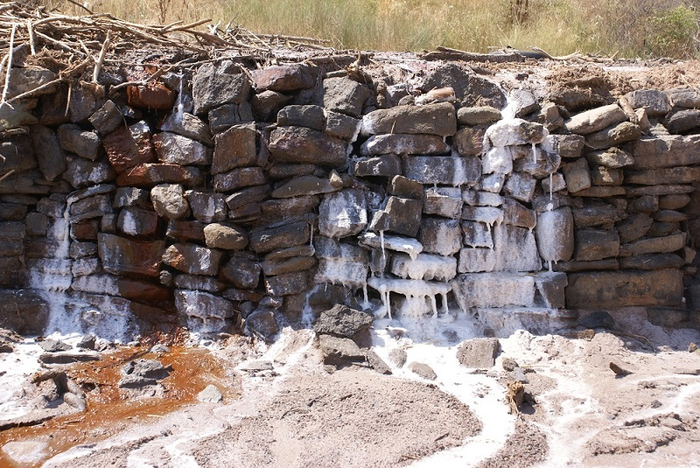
109, 412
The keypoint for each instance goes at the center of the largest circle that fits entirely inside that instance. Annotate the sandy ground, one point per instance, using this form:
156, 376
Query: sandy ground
578, 411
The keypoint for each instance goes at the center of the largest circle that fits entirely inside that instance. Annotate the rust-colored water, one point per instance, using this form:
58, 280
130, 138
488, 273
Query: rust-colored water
109, 413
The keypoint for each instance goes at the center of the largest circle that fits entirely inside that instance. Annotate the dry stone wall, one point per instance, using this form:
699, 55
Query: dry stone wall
222, 197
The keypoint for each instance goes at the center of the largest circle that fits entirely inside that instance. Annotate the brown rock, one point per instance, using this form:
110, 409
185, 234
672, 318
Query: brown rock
153, 95
601, 290
147, 175
234, 148
128, 147
124, 256
285, 78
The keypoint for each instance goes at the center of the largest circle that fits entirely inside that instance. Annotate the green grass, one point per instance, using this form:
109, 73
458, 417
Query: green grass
628, 28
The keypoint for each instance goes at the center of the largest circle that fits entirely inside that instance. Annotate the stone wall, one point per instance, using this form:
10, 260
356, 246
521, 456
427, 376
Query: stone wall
222, 198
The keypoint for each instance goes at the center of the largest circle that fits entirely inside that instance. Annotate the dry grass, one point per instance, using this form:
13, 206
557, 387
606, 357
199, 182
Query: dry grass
629, 28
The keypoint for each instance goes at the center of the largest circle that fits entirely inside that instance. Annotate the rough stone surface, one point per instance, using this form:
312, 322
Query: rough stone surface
434, 119
342, 321
624, 289
304, 145
478, 353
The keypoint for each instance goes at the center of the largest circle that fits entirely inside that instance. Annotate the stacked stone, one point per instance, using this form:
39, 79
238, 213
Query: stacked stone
256, 195
630, 187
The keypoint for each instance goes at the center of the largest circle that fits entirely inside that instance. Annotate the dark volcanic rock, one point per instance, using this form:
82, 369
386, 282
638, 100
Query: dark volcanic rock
342, 321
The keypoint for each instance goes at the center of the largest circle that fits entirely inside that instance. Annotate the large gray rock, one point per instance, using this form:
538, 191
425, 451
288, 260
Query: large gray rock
262, 323
404, 144
477, 234
665, 151
284, 78
169, 201
345, 96
440, 236
203, 311
611, 157
342, 214
121, 256
443, 201
521, 186
83, 173
401, 215
339, 351
682, 121
342, 321
475, 260
555, 235
592, 244
220, 83
388, 165
304, 145
193, 259
225, 236
612, 136
242, 271
516, 249
434, 119
668, 175
187, 125
444, 170
478, 353
286, 284
603, 290
655, 102
177, 149
552, 289
207, 206
486, 290
134, 221
84, 143
595, 119
308, 185
665, 244
482, 115
52, 161
267, 239
239, 178
234, 148
577, 175
309, 116
568, 146
224, 117
515, 132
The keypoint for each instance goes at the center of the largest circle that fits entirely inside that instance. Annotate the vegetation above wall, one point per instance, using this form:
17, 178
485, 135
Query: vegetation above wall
624, 28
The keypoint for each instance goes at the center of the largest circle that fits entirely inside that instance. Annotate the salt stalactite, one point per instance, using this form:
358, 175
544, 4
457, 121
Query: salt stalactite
381, 239
53, 277
551, 186
180, 103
